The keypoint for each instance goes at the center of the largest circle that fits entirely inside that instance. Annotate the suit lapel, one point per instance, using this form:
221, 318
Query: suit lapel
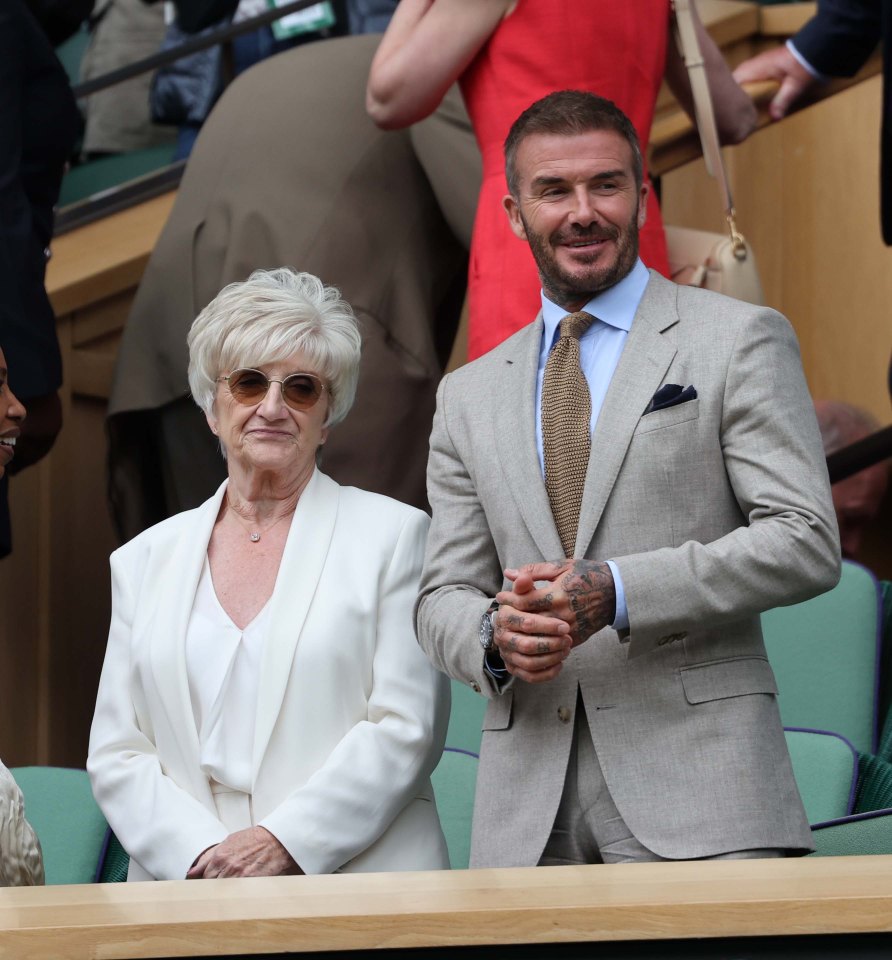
515, 439
640, 371
181, 569
303, 561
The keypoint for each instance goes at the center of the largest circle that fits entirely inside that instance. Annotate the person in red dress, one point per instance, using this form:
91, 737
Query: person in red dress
507, 54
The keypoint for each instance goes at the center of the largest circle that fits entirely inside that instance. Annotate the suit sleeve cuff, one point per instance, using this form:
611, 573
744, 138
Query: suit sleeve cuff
804, 63
621, 619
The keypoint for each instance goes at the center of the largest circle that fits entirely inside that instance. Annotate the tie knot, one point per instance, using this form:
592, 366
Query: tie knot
575, 324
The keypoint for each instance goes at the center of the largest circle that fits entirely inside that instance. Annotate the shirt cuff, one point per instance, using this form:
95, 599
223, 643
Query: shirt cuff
621, 620
804, 63
494, 666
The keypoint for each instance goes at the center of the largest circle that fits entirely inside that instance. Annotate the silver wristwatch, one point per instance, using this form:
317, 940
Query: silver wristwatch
487, 627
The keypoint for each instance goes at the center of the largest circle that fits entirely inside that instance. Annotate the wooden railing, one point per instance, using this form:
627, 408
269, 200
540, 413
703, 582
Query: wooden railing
720, 908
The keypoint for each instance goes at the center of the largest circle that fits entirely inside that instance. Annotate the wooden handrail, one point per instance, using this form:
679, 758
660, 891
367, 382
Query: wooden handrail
356, 912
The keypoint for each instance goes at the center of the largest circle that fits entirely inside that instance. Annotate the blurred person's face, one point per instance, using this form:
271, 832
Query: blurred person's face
580, 210
12, 413
857, 501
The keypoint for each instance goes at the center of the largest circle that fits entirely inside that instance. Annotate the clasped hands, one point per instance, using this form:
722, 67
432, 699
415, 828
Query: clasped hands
254, 852
537, 627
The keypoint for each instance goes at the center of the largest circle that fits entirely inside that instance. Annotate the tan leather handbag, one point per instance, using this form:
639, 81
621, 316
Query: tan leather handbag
716, 261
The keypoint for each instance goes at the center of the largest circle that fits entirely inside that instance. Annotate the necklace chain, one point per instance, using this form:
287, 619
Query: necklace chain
255, 535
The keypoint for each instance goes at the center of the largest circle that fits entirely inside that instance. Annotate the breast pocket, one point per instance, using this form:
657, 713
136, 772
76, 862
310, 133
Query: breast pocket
659, 419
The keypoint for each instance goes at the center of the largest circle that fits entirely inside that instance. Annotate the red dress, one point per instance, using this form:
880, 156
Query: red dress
616, 50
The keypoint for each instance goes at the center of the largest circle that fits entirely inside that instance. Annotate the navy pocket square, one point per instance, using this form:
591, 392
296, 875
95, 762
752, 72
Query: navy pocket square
670, 395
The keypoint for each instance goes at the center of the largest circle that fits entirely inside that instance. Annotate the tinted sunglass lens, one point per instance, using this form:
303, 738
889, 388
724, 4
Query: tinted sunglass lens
248, 386
302, 390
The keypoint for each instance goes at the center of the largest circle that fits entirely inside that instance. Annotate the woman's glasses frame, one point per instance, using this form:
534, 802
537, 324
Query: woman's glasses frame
294, 387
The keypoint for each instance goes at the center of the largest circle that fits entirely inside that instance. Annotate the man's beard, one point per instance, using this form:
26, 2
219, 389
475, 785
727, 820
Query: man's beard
567, 289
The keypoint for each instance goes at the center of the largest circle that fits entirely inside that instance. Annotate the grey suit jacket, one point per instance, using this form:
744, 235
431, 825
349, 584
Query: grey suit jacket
714, 510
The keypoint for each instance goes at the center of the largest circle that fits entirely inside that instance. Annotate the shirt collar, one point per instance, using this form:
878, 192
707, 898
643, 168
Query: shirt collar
615, 306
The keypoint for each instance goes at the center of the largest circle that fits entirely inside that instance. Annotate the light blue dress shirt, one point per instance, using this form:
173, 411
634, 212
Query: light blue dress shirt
600, 348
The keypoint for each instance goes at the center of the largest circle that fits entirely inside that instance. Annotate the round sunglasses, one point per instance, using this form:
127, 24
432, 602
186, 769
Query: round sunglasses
300, 391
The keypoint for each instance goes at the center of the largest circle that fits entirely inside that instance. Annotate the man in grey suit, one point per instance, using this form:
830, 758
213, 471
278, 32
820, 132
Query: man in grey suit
632, 712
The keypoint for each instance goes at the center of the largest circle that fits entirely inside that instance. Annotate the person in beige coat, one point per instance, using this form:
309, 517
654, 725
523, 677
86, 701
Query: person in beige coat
632, 710
289, 169
263, 707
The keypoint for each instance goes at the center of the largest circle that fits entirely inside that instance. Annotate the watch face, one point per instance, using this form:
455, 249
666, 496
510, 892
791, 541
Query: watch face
486, 631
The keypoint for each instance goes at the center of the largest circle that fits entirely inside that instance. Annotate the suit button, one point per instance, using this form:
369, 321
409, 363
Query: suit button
475, 686
565, 714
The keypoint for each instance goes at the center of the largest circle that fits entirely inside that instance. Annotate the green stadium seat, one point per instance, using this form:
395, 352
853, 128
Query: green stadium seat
862, 834
96, 176
466, 718
826, 769
114, 861
60, 807
72, 51
454, 781
825, 655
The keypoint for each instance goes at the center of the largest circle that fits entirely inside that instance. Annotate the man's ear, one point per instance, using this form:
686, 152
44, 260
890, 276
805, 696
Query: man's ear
212, 423
515, 221
642, 204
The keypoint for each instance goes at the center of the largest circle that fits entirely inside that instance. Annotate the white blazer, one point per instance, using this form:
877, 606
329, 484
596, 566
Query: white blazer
351, 716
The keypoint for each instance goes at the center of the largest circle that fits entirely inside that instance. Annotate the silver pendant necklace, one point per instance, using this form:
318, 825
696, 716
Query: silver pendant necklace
255, 535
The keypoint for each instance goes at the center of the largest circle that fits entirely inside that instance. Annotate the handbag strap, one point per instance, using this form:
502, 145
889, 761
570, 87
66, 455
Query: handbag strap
689, 45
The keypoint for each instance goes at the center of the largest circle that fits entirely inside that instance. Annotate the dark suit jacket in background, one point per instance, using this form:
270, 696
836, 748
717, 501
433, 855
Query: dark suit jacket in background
837, 41
38, 126
39, 123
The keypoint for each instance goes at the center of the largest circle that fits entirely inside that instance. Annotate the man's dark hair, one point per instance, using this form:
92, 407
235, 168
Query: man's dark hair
569, 113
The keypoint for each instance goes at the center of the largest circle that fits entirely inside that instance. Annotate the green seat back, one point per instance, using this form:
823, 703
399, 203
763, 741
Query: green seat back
466, 718
826, 771
874, 784
60, 807
454, 782
115, 863
103, 173
862, 835
824, 654
71, 53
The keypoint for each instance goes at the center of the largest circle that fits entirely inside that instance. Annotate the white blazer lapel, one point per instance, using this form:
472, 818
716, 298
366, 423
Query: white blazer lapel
182, 569
303, 562
639, 373
515, 420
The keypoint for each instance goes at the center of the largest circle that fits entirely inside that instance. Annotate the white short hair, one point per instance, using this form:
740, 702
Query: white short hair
268, 317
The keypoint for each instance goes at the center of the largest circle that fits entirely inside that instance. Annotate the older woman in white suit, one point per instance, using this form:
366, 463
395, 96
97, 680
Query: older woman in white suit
264, 708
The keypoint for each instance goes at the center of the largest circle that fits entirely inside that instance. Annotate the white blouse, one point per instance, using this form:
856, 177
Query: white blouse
223, 667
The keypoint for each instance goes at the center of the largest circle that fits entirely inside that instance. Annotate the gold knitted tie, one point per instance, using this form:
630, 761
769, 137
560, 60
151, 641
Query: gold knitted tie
566, 428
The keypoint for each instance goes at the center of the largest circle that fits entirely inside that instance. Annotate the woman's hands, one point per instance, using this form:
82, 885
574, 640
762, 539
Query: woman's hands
254, 852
